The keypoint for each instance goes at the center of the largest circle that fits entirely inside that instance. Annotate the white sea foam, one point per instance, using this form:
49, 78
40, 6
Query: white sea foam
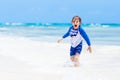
24, 59
2, 29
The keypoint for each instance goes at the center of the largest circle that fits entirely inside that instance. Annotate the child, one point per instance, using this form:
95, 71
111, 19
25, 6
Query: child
76, 33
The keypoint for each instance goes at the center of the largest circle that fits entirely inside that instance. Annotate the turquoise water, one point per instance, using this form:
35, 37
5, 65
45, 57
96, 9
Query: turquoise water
108, 34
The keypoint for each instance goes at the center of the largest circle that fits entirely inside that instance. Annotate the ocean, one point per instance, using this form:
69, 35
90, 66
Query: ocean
29, 51
102, 34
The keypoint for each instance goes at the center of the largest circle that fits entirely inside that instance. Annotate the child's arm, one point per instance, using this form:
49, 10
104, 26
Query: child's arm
85, 36
67, 34
59, 40
89, 49
64, 36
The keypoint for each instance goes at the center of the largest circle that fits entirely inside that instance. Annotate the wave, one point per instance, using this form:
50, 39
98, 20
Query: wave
57, 24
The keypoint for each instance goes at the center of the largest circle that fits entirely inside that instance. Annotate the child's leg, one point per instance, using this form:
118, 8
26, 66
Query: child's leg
76, 59
72, 58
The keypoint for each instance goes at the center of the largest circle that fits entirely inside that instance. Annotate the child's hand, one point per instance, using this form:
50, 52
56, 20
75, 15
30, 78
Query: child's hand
59, 40
89, 49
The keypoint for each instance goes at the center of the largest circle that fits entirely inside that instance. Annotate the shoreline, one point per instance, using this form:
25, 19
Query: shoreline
24, 59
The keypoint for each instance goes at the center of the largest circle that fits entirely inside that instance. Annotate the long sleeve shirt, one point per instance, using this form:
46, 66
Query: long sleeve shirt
76, 36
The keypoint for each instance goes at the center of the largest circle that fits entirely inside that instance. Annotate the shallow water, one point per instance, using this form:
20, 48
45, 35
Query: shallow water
98, 33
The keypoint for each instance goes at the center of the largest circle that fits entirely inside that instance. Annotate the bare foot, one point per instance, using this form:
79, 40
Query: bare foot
77, 64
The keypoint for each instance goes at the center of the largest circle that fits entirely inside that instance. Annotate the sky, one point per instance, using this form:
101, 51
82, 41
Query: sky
60, 11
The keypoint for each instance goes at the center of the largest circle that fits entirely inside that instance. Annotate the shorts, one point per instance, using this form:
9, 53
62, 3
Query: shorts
77, 49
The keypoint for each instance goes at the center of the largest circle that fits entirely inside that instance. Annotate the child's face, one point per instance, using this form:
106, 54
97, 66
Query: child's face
76, 23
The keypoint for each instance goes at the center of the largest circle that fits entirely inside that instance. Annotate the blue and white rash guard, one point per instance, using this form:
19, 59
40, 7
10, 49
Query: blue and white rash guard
76, 36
